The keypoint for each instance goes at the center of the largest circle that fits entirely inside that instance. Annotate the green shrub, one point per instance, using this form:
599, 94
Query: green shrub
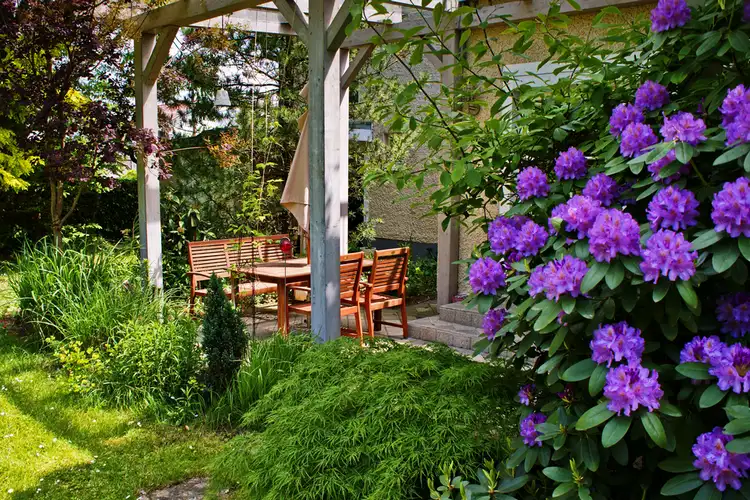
422, 275
267, 362
368, 423
225, 339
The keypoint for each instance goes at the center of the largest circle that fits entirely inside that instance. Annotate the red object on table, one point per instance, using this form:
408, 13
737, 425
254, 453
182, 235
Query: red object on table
286, 246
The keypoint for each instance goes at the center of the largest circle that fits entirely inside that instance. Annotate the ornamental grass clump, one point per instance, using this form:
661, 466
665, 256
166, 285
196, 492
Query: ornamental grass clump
631, 311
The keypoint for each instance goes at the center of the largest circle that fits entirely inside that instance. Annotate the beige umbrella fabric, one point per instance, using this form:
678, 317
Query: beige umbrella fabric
296, 195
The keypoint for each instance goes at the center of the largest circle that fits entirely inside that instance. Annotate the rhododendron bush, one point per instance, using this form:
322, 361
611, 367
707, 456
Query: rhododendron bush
616, 274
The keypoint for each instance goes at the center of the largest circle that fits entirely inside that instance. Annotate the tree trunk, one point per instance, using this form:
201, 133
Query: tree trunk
56, 211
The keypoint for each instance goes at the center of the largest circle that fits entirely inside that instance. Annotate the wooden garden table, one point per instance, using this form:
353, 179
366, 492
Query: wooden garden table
283, 273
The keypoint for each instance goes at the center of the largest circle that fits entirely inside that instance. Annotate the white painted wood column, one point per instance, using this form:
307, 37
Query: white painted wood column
325, 173
146, 116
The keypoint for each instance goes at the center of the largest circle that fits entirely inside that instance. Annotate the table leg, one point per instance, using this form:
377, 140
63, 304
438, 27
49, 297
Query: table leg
281, 313
378, 320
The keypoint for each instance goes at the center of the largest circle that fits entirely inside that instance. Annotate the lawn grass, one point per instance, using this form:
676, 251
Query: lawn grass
53, 446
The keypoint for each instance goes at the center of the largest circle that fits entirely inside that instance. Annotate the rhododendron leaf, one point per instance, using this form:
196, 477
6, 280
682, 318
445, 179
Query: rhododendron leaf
594, 416
678, 464
684, 152
681, 484
550, 364
563, 489
654, 428
725, 256
579, 371
512, 484
708, 492
687, 293
531, 457
549, 314
710, 40
669, 409
711, 396
517, 457
732, 154
747, 163
737, 426
661, 289
597, 380
557, 341
615, 430
706, 239
558, 474
594, 276
615, 275
584, 493
695, 371
744, 244
568, 304
739, 41
590, 453
736, 411
620, 453
739, 445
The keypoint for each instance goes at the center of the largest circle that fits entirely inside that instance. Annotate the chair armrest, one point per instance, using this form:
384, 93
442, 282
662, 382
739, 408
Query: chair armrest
366, 284
202, 275
299, 288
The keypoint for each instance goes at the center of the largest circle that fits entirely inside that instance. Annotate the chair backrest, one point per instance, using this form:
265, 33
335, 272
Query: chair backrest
389, 270
217, 256
351, 272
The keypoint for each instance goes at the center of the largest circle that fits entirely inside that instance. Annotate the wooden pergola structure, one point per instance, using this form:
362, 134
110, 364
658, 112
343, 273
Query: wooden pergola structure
321, 25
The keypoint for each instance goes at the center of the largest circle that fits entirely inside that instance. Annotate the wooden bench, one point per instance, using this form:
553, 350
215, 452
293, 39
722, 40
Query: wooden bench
220, 257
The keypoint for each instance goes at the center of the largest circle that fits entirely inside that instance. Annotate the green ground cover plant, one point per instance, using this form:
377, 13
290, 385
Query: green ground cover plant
55, 446
374, 423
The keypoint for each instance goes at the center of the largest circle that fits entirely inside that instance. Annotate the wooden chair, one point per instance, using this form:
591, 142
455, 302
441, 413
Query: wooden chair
219, 257
386, 287
351, 272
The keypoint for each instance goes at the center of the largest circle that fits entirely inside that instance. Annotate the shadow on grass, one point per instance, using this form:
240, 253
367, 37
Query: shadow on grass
88, 452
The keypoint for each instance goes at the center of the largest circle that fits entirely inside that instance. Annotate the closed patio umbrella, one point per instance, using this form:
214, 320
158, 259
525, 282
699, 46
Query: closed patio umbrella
296, 195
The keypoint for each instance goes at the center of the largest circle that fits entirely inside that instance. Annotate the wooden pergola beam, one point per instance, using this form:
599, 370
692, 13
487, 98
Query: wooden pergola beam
294, 16
336, 31
260, 21
356, 65
160, 54
187, 12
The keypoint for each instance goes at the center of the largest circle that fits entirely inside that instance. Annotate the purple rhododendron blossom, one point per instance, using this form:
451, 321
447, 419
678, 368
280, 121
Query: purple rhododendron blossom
629, 387
651, 96
571, 164
602, 188
622, 116
731, 208
614, 232
668, 254
673, 208
531, 182
616, 343
528, 429
669, 14
564, 276
536, 281
503, 232
733, 312
579, 213
567, 393
732, 369
526, 394
493, 322
486, 276
683, 127
530, 239
717, 464
656, 167
702, 350
636, 138
735, 112
746, 12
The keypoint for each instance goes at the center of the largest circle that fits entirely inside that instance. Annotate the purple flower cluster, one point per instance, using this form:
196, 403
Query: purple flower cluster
526, 394
655, 169
531, 238
614, 232
731, 208
531, 182
746, 12
635, 138
486, 276
673, 208
732, 369
683, 127
669, 14
630, 386
616, 343
602, 188
503, 232
528, 429
493, 322
716, 463
579, 213
651, 96
571, 164
702, 350
668, 254
735, 112
733, 312
622, 116
558, 277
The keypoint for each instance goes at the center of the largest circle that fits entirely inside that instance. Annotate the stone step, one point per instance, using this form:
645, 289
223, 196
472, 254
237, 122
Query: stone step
434, 329
457, 313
